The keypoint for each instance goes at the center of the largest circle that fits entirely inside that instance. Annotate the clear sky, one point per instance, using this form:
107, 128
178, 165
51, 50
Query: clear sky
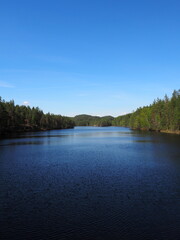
99, 57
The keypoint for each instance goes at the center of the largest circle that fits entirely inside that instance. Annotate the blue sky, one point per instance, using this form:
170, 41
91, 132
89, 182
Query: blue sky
99, 57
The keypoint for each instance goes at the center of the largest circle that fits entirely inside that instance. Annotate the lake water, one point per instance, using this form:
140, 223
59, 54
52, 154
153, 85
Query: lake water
90, 183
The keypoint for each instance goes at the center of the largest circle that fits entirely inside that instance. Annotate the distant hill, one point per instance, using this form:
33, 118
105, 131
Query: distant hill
88, 120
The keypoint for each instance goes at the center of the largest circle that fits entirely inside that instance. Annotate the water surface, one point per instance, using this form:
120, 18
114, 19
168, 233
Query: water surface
90, 183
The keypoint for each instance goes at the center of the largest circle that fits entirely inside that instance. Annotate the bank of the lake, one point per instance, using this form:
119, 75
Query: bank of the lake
16, 131
170, 131
161, 131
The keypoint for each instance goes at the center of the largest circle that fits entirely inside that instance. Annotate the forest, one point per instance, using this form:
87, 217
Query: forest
88, 120
15, 118
161, 115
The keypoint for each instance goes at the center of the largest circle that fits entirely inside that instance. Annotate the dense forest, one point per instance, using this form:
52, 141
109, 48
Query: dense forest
161, 115
15, 118
88, 120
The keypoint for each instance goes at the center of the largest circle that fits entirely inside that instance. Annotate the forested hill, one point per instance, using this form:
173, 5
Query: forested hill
15, 118
161, 115
88, 120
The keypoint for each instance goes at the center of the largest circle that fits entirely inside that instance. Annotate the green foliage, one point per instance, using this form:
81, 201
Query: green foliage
21, 118
88, 120
161, 115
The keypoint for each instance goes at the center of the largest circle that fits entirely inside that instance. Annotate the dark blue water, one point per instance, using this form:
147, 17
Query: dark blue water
90, 183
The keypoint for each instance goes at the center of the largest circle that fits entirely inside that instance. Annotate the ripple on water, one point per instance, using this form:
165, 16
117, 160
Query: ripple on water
99, 183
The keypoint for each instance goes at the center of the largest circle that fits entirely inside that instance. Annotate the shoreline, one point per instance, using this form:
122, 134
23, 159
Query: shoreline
170, 132
176, 132
16, 132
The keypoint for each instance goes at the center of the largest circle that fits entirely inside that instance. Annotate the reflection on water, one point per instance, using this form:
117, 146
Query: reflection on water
90, 183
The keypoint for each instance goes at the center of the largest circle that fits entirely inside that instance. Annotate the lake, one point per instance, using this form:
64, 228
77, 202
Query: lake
90, 183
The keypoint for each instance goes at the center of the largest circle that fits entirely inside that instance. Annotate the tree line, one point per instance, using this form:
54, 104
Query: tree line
16, 118
161, 115
88, 120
